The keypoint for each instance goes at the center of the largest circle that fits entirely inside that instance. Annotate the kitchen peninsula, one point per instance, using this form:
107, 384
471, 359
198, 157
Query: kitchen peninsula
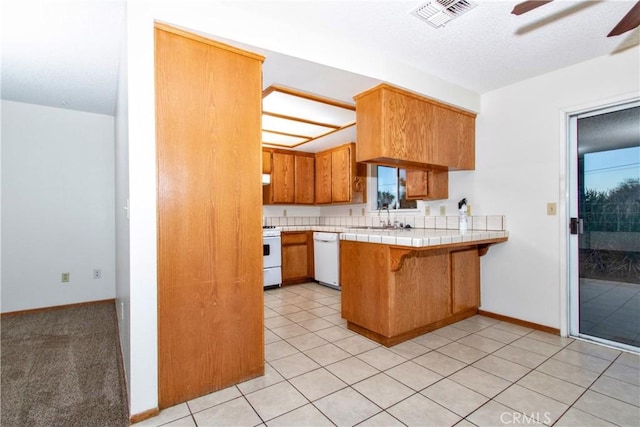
398, 284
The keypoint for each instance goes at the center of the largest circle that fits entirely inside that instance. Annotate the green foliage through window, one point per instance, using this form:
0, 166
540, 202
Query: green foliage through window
392, 188
614, 210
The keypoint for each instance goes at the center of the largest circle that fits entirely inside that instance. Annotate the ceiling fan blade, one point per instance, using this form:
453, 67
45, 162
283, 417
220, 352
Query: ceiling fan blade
526, 6
630, 21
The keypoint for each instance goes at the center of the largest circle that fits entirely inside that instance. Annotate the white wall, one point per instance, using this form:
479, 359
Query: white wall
520, 166
57, 206
123, 288
143, 334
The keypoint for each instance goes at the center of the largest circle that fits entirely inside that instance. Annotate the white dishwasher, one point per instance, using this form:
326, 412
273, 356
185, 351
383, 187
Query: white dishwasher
326, 257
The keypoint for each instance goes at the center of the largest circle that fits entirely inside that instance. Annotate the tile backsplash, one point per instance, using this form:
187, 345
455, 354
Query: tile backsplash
476, 222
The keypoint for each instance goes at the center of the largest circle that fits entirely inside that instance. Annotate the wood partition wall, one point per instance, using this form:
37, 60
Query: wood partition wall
210, 294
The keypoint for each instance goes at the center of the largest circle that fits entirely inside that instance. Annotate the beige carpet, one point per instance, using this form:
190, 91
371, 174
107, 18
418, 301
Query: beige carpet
63, 367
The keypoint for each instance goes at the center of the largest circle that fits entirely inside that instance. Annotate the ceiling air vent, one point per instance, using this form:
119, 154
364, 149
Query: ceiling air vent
439, 12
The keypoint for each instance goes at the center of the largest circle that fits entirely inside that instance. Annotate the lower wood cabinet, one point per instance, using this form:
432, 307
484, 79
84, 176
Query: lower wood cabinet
392, 293
297, 257
465, 280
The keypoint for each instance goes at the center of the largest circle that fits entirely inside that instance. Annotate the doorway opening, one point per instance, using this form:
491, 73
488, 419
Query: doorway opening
604, 206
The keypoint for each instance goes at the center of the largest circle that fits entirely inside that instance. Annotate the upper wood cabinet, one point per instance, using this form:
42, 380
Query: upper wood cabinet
323, 177
427, 184
305, 179
292, 177
266, 162
339, 179
341, 175
282, 178
401, 128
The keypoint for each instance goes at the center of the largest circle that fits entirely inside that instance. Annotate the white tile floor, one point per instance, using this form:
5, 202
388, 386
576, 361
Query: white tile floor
478, 371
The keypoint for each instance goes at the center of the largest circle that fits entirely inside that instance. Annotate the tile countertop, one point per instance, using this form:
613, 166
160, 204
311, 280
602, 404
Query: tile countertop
415, 237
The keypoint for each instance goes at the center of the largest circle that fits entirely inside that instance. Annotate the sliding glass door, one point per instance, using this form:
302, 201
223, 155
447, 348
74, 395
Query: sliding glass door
605, 225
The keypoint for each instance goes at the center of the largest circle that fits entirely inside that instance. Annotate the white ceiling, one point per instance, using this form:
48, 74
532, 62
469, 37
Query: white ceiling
64, 53
482, 50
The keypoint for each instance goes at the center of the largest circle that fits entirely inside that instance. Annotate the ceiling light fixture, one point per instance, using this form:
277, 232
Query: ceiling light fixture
291, 117
438, 12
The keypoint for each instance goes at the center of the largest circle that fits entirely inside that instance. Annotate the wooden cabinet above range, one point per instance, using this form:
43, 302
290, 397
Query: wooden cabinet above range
400, 128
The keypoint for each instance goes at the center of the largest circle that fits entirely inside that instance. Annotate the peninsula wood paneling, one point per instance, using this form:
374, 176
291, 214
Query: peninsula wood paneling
210, 296
421, 291
365, 294
394, 293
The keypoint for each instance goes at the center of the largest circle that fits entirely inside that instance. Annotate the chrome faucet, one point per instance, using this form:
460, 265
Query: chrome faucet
382, 207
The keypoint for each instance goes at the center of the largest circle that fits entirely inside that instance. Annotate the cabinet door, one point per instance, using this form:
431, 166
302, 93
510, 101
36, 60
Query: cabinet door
304, 179
341, 170
282, 178
323, 178
427, 184
417, 185
266, 162
294, 262
453, 139
295, 257
465, 275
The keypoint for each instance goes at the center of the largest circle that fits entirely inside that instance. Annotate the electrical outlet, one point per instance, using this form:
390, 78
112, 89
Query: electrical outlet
350, 212
427, 210
551, 208
363, 212
284, 212
64, 277
443, 210
97, 273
